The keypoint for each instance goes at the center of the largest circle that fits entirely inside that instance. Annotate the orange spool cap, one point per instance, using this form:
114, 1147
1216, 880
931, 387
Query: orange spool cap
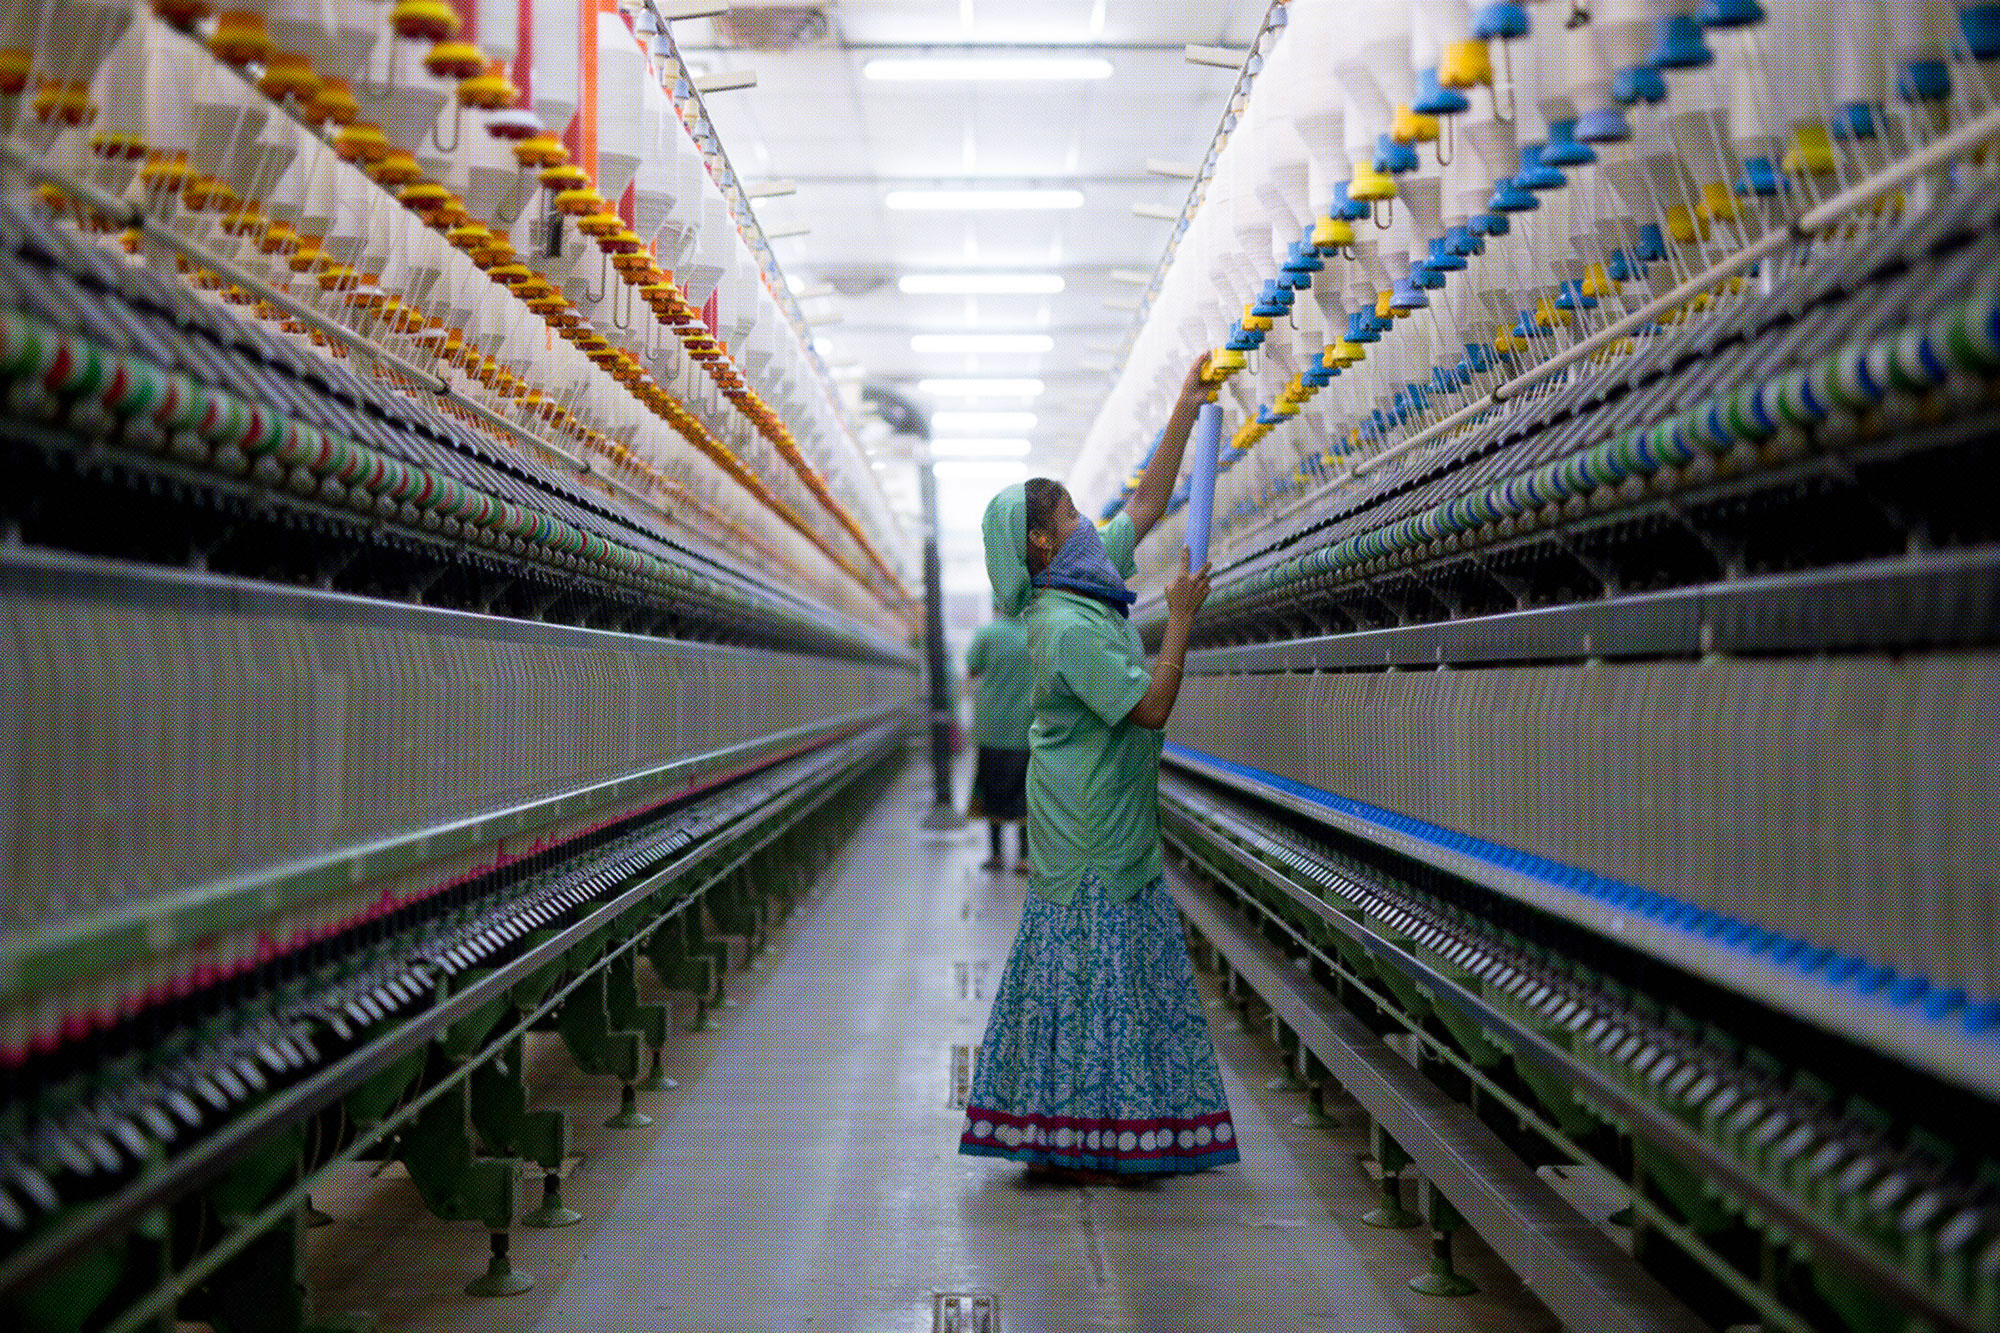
334, 101
289, 74
362, 141
423, 20
455, 60
241, 38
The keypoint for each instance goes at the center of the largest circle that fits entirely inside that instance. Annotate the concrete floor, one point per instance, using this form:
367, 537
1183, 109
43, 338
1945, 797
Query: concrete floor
804, 1175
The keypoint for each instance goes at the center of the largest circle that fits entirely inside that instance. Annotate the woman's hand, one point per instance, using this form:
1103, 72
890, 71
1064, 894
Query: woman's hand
1195, 389
1186, 592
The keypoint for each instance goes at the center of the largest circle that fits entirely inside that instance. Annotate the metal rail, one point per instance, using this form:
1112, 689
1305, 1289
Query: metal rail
1858, 1260
203, 1161
1949, 598
1571, 1265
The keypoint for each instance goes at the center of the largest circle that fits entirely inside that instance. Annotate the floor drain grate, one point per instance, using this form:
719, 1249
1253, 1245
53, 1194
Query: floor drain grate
964, 1064
970, 978
964, 1312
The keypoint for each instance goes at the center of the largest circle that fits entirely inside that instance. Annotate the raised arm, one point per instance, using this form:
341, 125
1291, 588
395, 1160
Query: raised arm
1156, 486
1185, 594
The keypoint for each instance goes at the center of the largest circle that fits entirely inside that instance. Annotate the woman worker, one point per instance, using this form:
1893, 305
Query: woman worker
999, 662
1097, 1063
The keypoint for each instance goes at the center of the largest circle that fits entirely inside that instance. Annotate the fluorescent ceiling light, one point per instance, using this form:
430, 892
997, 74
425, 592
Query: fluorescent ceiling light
985, 69
933, 201
994, 470
982, 342
980, 284
979, 447
978, 421
975, 388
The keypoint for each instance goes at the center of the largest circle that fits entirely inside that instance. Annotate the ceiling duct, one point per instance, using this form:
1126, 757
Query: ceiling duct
774, 27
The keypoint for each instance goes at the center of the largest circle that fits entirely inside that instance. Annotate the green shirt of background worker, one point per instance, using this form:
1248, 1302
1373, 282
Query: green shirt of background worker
1003, 672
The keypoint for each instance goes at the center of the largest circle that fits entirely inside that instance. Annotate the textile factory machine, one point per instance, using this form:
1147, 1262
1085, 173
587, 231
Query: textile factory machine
436, 576
1594, 705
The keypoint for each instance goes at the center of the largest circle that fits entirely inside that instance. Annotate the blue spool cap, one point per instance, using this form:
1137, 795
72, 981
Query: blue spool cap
1500, 21
1760, 176
1426, 279
1494, 224
1981, 1017
1571, 296
1304, 259
1652, 243
1636, 83
1464, 241
1563, 150
1443, 380
1320, 376
1433, 99
1617, 267
1243, 340
1419, 397
1980, 25
1349, 210
1604, 125
1728, 13
1266, 417
1534, 173
1476, 356
1678, 45
1871, 977
1443, 258
1509, 197
1924, 81
1857, 120
1361, 328
1908, 991
1394, 158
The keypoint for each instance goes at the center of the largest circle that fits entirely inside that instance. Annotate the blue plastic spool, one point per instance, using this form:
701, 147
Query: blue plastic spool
1679, 45
1501, 22
1509, 198
1728, 13
1434, 99
1980, 26
1604, 125
1535, 174
1394, 158
1443, 258
1635, 84
1924, 81
1857, 120
1760, 177
1563, 150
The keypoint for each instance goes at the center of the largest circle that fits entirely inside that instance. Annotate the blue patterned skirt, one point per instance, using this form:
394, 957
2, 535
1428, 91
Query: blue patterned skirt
1097, 1055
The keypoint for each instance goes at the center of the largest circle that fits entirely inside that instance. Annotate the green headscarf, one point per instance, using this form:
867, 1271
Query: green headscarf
1005, 528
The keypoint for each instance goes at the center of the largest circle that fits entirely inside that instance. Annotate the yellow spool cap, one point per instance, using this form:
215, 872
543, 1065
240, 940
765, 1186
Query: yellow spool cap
1717, 202
1369, 184
1225, 361
1465, 65
1407, 126
1347, 353
1811, 152
1383, 308
1255, 323
1685, 228
1329, 232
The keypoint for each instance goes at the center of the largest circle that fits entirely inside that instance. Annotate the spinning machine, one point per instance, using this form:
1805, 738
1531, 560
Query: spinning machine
1595, 699
437, 584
